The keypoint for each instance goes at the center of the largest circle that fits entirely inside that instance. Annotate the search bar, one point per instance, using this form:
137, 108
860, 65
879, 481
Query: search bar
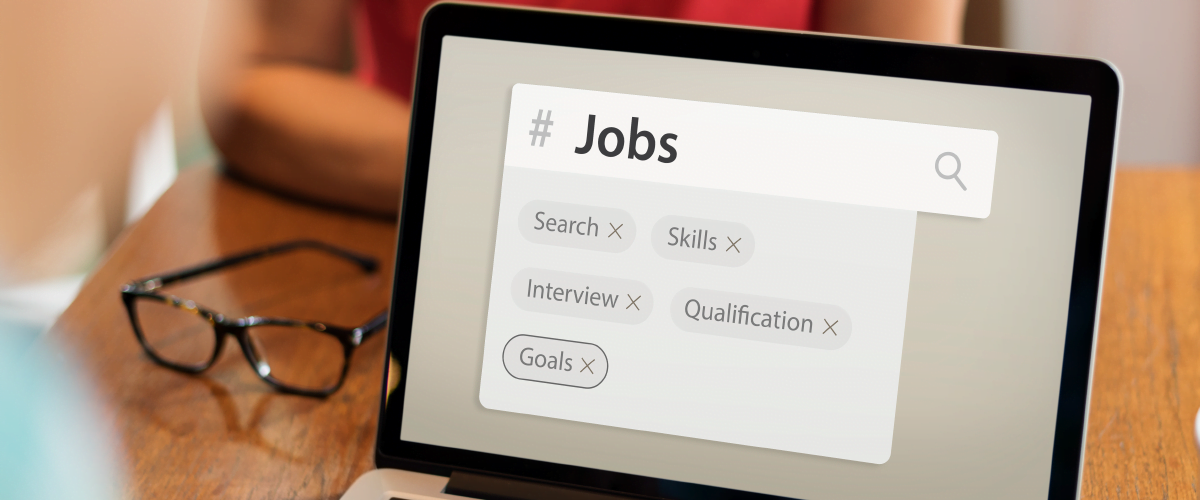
833, 158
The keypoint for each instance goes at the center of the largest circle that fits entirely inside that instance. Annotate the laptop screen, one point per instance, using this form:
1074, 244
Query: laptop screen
794, 282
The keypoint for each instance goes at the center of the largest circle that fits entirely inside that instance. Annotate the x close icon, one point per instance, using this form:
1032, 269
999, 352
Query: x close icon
733, 244
614, 230
829, 327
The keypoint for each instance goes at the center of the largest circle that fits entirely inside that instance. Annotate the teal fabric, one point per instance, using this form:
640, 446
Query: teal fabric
53, 443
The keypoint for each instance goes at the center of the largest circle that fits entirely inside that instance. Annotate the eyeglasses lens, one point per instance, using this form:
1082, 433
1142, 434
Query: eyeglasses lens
180, 336
298, 357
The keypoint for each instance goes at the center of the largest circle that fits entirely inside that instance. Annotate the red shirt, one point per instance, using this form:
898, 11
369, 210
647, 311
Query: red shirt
386, 30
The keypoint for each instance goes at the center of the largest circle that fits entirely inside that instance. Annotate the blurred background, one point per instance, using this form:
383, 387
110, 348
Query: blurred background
100, 109
1155, 43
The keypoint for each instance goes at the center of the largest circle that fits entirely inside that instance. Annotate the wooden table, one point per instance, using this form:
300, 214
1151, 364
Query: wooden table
228, 434
1146, 387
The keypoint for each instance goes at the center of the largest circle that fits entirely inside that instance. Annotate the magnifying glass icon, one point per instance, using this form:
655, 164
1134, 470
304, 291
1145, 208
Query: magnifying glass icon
937, 167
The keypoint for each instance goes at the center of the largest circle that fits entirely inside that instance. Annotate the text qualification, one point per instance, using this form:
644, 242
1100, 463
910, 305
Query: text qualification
764, 319
743, 315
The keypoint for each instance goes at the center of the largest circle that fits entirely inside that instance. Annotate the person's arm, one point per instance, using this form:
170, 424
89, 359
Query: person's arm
291, 118
922, 20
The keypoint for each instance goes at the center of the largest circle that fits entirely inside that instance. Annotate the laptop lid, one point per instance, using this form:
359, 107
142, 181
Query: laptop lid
681, 260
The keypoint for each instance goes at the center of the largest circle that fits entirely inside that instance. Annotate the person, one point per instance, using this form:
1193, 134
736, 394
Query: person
296, 118
81, 79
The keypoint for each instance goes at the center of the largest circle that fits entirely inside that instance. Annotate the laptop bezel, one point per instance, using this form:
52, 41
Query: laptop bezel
941, 63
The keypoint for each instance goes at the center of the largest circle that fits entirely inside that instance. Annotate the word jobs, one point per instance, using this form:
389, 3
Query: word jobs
637, 138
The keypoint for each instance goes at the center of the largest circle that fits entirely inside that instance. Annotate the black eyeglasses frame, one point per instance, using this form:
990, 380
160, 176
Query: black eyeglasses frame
223, 326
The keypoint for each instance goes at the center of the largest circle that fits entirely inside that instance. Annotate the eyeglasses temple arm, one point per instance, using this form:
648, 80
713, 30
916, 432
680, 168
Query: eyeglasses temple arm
375, 325
367, 264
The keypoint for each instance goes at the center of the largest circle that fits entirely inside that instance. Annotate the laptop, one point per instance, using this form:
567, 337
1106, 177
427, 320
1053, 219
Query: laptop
652, 259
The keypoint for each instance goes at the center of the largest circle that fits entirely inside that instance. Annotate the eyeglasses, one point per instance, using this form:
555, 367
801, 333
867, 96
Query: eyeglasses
297, 357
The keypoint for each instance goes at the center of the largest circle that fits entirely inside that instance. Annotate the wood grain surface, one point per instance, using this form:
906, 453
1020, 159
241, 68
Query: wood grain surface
1146, 381
227, 434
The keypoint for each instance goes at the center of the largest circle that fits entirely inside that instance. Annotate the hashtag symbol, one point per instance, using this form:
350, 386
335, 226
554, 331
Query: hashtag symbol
541, 128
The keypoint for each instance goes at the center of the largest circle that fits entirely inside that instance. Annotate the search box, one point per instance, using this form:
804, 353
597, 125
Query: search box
833, 158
